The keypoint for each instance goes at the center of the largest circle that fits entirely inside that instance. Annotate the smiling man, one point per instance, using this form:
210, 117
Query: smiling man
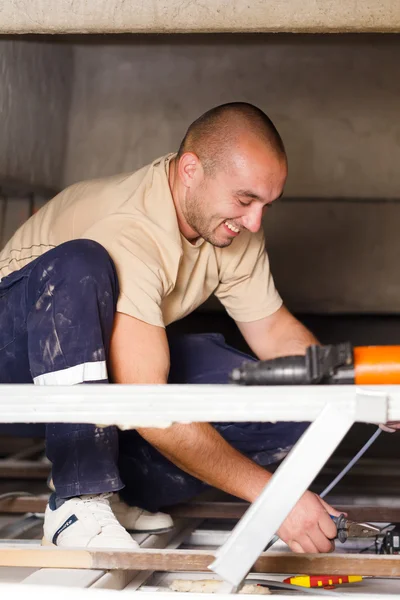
88, 286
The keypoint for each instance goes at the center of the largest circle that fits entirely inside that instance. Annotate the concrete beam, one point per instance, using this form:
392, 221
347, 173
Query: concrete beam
166, 16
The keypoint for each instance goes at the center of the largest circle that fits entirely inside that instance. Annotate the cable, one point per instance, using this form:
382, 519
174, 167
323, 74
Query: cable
340, 476
290, 586
351, 463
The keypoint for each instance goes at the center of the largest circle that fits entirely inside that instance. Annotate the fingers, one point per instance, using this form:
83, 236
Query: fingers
308, 545
321, 541
329, 509
390, 426
313, 543
387, 429
296, 547
302, 545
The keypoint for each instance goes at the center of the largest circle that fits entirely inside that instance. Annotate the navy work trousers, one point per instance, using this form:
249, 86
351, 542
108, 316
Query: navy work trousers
56, 317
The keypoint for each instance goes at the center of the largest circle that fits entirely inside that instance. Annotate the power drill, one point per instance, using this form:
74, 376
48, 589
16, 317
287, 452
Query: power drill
332, 364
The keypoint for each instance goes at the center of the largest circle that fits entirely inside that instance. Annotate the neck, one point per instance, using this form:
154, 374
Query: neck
178, 192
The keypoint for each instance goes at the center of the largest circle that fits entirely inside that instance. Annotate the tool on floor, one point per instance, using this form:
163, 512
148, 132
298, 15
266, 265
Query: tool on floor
315, 581
347, 528
333, 364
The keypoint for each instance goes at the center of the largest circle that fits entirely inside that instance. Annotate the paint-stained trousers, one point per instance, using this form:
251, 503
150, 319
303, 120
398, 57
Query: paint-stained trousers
56, 317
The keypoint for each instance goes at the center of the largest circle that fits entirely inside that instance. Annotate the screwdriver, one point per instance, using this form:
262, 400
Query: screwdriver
312, 581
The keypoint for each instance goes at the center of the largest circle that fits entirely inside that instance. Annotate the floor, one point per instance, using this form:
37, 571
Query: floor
190, 532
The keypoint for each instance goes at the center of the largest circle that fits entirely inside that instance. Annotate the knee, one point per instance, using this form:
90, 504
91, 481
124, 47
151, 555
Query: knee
77, 263
85, 257
88, 262
81, 258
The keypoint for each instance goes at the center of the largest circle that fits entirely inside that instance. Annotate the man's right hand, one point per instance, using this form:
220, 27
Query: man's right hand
308, 527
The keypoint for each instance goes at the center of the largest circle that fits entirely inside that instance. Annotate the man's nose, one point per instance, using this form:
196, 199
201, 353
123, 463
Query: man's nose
252, 221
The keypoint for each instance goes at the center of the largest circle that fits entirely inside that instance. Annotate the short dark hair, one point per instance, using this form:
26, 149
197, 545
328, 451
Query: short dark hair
211, 135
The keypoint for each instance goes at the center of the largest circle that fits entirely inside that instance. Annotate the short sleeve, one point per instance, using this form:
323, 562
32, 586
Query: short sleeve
246, 286
141, 272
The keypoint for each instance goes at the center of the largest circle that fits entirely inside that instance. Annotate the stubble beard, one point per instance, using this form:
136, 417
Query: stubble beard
199, 223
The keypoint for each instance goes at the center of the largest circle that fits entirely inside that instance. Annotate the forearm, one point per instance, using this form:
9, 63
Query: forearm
202, 452
139, 354
280, 334
292, 338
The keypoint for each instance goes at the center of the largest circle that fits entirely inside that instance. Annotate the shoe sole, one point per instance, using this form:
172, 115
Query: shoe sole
45, 542
151, 531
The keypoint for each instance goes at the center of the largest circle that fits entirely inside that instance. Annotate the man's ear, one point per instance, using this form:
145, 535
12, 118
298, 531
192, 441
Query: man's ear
189, 168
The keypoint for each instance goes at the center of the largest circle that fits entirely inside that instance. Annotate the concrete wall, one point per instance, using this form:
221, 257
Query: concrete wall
335, 101
115, 16
35, 85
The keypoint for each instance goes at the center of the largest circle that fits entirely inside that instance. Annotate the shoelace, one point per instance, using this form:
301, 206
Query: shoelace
100, 508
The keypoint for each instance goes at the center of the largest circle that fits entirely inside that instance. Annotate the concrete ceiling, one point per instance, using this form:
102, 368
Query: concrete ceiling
163, 16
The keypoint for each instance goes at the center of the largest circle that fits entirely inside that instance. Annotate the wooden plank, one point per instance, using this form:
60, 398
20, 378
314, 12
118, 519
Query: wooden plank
38, 447
211, 510
197, 560
107, 580
23, 469
24, 504
235, 510
20, 527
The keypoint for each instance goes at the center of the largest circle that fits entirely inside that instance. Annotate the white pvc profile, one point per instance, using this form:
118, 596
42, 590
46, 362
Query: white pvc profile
264, 517
160, 405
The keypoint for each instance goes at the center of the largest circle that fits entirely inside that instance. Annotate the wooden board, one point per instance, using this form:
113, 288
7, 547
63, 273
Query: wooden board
23, 469
197, 560
211, 510
235, 510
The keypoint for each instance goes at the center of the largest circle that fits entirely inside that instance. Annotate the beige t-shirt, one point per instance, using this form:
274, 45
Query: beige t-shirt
162, 276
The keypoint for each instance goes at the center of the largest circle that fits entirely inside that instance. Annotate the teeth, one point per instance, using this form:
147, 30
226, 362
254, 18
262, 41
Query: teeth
232, 227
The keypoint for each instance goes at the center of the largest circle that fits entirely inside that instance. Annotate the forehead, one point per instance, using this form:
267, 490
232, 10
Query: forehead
256, 170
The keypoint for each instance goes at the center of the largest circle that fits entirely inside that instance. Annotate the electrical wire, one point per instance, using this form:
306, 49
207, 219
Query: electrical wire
342, 473
351, 463
290, 586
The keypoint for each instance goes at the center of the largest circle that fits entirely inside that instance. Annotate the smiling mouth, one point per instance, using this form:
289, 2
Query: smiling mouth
232, 227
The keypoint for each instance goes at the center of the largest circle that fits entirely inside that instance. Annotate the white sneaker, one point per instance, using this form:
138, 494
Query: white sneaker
84, 522
139, 520
134, 519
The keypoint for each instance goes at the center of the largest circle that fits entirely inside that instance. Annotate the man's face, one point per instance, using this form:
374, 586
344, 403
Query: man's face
220, 206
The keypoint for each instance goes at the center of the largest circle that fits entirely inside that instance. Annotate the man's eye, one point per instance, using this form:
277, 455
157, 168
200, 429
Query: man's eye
244, 203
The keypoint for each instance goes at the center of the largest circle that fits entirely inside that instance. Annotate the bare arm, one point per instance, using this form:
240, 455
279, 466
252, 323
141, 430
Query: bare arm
139, 354
280, 334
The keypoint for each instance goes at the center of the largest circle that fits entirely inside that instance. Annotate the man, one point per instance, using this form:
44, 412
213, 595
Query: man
89, 284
